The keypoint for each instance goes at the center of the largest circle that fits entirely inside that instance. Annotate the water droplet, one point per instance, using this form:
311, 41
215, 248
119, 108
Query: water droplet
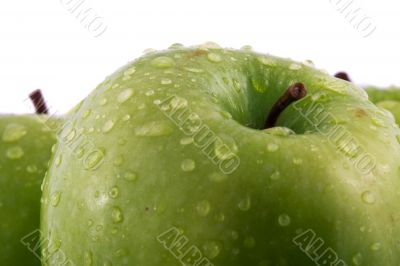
357, 259
86, 113
245, 204
220, 217
271, 147
213, 57
107, 263
130, 176
284, 220
249, 242
126, 117
313, 148
90, 223
154, 129
235, 251
114, 230
103, 101
209, 45
149, 92
268, 61
234, 235
226, 115
186, 141
378, 122
203, 208
160, 208
294, 66
129, 71
217, 177
31, 168
163, 62
297, 161
119, 160
175, 46
225, 147
246, 48
14, 132
188, 165
117, 215
108, 126
124, 95
376, 246
275, 175
58, 160
212, 249
93, 159
194, 70
15, 153
368, 197
279, 131
122, 141
121, 252
166, 81
55, 198
125, 78
88, 258
114, 193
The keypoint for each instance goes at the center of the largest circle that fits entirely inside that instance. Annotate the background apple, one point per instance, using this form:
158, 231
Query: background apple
388, 98
25, 149
191, 176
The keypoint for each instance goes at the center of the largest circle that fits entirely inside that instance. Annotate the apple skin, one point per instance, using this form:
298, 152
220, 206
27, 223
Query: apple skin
25, 149
152, 178
376, 94
388, 99
393, 107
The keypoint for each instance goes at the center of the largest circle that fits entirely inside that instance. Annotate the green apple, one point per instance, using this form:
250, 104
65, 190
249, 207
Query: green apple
197, 157
388, 99
25, 149
376, 94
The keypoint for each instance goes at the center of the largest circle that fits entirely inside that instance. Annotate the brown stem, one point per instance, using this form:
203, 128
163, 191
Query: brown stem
343, 75
38, 102
294, 93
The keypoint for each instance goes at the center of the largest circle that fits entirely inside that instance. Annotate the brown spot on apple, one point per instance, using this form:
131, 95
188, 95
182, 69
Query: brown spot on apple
360, 113
197, 52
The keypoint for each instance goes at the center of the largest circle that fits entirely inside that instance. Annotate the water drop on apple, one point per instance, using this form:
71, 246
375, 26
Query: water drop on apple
188, 165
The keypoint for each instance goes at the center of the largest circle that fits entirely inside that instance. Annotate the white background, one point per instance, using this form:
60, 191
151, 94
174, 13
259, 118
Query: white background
43, 44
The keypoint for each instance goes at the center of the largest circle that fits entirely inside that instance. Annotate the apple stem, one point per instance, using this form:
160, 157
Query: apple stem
38, 102
294, 93
343, 75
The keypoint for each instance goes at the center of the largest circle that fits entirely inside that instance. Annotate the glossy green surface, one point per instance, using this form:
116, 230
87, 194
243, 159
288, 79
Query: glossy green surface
25, 148
388, 98
158, 173
376, 94
393, 107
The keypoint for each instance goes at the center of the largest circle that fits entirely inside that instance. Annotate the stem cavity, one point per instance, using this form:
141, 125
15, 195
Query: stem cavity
294, 93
